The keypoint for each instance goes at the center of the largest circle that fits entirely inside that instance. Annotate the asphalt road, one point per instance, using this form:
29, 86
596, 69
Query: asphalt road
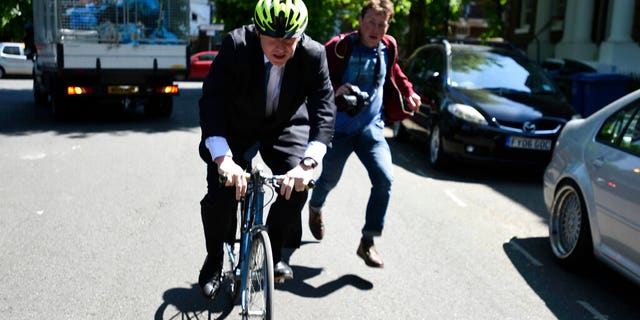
99, 219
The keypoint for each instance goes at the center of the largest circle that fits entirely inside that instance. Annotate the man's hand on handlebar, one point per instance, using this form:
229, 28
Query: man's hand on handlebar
296, 179
234, 174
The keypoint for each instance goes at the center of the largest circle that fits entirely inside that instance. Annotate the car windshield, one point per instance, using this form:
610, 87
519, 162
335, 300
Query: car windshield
494, 69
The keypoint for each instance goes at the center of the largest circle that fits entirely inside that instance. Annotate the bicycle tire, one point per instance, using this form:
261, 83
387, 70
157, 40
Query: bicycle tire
259, 288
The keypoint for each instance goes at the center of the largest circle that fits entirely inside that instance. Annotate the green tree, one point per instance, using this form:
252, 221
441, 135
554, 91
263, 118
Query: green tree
494, 10
14, 14
413, 22
326, 17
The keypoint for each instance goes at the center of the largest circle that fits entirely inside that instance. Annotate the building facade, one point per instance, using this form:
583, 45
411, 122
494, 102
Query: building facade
604, 34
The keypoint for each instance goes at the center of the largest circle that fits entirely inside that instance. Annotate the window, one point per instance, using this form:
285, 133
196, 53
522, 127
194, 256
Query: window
427, 63
622, 129
631, 138
559, 8
11, 50
525, 17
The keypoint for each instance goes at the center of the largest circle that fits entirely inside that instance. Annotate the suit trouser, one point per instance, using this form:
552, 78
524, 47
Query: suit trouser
218, 209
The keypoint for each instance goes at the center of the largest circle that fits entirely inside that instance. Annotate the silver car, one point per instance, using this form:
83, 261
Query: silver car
592, 189
13, 60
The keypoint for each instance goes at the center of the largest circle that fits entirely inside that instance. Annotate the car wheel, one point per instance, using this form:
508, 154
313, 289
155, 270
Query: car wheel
2, 73
436, 156
399, 131
569, 231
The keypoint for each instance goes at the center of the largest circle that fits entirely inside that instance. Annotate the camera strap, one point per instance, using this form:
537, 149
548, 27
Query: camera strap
377, 75
354, 40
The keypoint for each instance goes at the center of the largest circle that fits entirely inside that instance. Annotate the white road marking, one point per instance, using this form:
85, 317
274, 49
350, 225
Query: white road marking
34, 156
596, 314
524, 252
455, 199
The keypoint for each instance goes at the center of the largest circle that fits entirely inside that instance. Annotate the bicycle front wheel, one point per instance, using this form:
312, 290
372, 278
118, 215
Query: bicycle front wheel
259, 290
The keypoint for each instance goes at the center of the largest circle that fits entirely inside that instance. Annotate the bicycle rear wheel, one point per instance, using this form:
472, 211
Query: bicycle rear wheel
259, 290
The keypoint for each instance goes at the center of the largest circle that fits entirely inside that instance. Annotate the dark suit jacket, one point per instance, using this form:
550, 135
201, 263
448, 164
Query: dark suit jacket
233, 97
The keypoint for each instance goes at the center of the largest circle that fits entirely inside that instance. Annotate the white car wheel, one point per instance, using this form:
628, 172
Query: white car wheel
569, 231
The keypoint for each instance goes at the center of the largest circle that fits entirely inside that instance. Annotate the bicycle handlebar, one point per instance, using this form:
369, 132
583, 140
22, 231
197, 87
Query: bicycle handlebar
272, 180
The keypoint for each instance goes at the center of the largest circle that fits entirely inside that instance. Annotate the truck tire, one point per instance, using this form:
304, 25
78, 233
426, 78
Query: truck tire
39, 97
159, 107
58, 107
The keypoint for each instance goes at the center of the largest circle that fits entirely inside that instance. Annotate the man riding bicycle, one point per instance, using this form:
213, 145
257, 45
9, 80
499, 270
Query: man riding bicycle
269, 91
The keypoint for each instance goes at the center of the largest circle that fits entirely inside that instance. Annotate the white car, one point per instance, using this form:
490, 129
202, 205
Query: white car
592, 189
13, 60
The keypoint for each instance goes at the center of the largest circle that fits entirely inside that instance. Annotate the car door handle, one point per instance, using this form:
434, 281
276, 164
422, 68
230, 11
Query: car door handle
598, 162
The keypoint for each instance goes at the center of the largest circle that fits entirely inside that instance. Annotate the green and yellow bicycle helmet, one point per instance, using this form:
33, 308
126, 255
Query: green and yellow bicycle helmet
281, 18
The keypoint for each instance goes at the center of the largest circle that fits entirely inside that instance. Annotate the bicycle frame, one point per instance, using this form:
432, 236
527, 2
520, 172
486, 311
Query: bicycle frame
254, 243
252, 222
252, 226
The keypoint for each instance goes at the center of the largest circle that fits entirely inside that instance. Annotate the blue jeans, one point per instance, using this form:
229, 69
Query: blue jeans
373, 151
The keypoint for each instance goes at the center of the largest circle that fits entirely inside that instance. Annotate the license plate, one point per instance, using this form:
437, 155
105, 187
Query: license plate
122, 89
528, 143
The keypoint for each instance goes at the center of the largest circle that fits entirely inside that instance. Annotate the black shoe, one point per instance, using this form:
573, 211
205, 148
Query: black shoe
315, 224
367, 251
282, 271
209, 279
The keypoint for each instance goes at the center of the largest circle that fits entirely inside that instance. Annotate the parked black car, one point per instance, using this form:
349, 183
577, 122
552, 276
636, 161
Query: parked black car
483, 101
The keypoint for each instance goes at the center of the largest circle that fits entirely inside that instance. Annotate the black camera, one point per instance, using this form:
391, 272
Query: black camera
353, 102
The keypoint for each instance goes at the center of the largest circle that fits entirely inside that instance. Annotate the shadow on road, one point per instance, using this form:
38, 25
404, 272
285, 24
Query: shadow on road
182, 303
594, 292
20, 116
300, 287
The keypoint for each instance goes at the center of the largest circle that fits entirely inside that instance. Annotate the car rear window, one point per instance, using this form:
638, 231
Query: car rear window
11, 50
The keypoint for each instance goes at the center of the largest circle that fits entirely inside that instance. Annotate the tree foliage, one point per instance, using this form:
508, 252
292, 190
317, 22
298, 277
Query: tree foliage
14, 15
413, 22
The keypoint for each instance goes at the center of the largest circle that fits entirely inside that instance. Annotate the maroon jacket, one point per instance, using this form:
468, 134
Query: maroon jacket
396, 84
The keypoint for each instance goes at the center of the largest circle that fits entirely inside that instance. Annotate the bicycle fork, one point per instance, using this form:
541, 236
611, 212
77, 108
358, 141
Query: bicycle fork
249, 228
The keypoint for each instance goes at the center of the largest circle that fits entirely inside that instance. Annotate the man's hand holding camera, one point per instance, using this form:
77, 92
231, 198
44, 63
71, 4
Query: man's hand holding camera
351, 99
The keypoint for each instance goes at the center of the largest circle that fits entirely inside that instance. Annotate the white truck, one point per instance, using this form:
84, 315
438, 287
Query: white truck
124, 52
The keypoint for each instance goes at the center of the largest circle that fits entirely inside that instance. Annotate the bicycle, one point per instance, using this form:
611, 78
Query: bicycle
248, 273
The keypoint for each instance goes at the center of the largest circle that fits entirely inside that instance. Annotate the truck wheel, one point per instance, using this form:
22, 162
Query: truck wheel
159, 107
58, 108
39, 97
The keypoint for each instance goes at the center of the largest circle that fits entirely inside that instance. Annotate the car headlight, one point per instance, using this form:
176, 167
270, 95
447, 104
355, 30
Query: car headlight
467, 113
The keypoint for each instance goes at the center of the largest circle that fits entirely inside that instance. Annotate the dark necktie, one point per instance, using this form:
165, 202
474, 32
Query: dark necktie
272, 91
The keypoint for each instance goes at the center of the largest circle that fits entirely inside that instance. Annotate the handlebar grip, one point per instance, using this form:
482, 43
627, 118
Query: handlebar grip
222, 179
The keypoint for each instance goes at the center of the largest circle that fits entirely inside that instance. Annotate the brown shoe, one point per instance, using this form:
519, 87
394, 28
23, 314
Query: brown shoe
367, 251
315, 224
